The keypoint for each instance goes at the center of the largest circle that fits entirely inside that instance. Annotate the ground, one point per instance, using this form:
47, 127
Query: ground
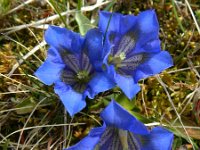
31, 114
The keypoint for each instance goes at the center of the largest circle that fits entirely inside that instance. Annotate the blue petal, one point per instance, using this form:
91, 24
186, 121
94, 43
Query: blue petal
93, 46
158, 139
74, 102
49, 72
152, 46
153, 65
101, 82
116, 116
72, 61
110, 139
109, 21
116, 22
147, 22
128, 86
127, 23
54, 55
149, 47
62, 38
90, 141
147, 27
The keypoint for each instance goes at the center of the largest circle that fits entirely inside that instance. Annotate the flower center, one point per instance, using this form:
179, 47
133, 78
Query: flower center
78, 71
82, 76
122, 56
118, 139
126, 65
116, 60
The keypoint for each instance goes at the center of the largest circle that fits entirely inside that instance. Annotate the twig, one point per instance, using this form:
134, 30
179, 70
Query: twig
51, 18
143, 101
42, 126
51, 146
192, 67
22, 131
38, 141
183, 69
5, 93
176, 15
154, 124
195, 20
34, 133
31, 52
190, 99
19, 7
14, 109
172, 104
29, 87
68, 134
65, 128
188, 127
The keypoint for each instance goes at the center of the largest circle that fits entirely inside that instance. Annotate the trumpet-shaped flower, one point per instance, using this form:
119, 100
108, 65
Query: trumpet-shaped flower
122, 131
134, 48
73, 66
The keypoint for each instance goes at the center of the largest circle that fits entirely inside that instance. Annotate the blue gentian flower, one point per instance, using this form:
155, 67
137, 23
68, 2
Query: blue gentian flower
73, 66
134, 48
122, 131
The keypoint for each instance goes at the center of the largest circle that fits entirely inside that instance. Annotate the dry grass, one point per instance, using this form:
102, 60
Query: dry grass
32, 116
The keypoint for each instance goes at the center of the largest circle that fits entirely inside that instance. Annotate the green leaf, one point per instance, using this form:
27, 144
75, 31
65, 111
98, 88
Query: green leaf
125, 102
141, 117
129, 105
109, 6
5, 145
177, 143
194, 133
84, 23
25, 106
4, 7
54, 5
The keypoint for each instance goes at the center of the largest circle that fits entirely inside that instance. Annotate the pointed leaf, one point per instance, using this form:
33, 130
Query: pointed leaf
25, 106
83, 23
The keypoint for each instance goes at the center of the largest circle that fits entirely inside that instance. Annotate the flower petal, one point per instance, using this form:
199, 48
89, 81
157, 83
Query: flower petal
116, 116
72, 61
93, 46
152, 46
49, 72
158, 139
54, 55
62, 38
147, 26
101, 82
109, 21
128, 86
153, 65
73, 101
149, 47
116, 22
90, 141
110, 140
127, 23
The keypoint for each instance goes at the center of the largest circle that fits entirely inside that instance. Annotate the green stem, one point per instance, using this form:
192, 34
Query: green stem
79, 4
176, 15
57, 11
